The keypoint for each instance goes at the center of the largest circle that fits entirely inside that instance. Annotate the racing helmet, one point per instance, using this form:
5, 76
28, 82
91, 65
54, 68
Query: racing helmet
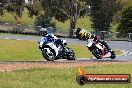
88, 35
82, 33
44, 31
50, 35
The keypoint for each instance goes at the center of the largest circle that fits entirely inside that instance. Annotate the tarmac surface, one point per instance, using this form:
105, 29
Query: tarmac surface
125, 46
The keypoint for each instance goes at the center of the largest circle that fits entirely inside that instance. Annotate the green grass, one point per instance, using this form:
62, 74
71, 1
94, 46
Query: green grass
15, 50
127, 2
19, 50
81, 51
25, 19
118, 52
60, 77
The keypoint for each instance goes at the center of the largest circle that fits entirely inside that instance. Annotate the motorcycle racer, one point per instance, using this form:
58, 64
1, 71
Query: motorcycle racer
54, 48
83, 34
51, 37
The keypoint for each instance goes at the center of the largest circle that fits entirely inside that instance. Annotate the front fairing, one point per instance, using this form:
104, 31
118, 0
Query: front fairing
45, 40
90, 42
42, 41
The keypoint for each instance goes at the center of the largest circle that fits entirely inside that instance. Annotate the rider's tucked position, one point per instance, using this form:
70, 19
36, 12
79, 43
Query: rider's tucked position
81, 33
92, 40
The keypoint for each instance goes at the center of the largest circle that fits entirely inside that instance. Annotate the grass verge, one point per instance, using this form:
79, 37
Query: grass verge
15, 50
61, 77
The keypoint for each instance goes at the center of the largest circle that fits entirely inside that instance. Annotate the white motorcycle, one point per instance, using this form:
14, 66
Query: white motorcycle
53, 48
99, 49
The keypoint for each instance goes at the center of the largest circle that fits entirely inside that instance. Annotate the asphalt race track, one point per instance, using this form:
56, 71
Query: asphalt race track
122, 45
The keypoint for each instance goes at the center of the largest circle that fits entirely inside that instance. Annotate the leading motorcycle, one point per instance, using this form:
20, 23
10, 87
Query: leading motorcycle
53, 48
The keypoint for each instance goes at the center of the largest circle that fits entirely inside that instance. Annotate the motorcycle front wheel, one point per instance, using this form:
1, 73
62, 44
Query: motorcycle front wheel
96, 53
48, 54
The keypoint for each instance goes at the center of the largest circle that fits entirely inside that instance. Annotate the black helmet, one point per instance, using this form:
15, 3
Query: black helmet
43, 31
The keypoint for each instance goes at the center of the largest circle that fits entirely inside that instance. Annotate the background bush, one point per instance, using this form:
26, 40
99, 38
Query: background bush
125, 25
43, 21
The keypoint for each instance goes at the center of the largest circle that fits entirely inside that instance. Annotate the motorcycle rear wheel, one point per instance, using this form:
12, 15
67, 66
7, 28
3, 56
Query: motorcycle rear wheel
71, 57
112, 55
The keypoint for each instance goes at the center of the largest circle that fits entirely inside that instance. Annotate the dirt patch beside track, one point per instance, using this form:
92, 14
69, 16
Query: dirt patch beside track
4, 67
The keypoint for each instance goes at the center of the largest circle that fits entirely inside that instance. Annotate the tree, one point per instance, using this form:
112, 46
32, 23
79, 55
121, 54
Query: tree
42, 19
34, 8
118, 14
102, 12
15, 7
43, 22
125, 25
63, 10
2, 6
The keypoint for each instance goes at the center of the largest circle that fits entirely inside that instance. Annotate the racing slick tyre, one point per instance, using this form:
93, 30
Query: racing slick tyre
96, 53
71, 54
48, 54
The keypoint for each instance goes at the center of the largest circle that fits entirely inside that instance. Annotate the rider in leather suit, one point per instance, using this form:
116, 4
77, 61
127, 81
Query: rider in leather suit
51, 36
81, 33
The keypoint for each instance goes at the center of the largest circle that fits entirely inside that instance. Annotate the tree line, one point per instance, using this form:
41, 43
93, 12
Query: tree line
102, 12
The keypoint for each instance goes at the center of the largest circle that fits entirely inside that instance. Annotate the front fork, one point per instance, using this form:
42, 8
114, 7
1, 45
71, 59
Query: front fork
106, 45
60, 53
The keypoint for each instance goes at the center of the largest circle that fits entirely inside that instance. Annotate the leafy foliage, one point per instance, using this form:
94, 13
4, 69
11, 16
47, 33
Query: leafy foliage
2, 4
102, 12
125, 25
34, 8
44, 22
63, 10
15, 7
